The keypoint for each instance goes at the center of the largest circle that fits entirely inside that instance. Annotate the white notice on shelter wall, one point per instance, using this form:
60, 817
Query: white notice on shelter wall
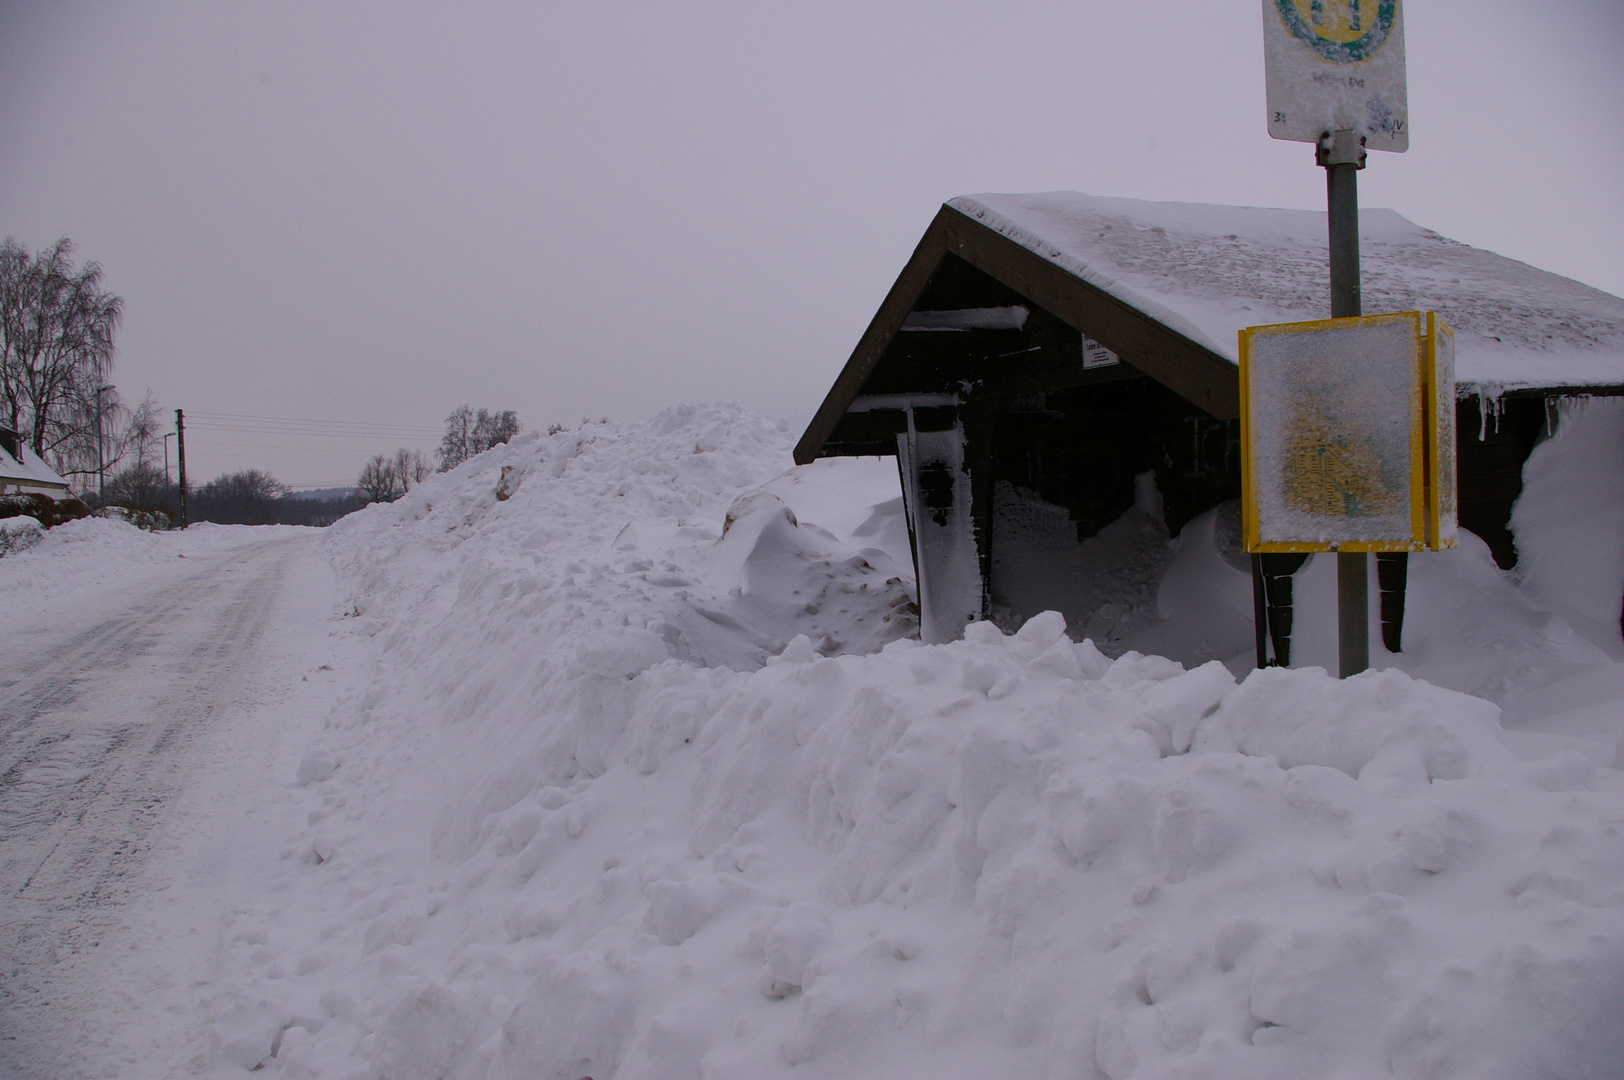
1336, 65
1096, 355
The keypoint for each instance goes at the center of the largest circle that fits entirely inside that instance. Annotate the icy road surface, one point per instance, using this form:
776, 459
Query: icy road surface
125, 715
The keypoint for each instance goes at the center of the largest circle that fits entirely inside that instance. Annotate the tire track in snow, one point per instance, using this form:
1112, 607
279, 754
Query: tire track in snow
94, 733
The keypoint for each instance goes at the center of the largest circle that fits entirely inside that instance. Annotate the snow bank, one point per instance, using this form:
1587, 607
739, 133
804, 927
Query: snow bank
625, 793
79, 557
1570, 522
677, 525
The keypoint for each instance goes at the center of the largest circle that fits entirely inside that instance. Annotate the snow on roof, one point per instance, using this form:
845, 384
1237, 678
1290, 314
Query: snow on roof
25, 468
1209, 271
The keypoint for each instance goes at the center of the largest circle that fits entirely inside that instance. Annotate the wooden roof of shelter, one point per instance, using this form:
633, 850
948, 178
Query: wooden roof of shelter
1168, 286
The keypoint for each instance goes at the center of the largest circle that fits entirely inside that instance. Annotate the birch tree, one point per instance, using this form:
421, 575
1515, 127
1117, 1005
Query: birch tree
56, 351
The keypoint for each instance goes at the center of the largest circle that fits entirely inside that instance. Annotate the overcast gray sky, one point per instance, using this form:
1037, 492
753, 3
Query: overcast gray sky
374, 212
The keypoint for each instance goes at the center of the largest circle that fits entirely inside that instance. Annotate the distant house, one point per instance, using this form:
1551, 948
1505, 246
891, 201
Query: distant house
23, 473
1049, 362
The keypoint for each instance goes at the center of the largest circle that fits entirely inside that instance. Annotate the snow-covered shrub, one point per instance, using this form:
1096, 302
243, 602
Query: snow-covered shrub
19, 534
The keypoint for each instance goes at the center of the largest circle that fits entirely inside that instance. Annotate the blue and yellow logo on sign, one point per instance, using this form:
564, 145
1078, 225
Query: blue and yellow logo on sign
1342, 31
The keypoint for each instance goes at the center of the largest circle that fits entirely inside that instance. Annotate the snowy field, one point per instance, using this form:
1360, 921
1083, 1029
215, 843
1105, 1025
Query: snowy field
638, 773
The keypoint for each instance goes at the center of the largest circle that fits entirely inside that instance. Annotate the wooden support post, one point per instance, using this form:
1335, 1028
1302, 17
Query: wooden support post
1392, 575
1272, 582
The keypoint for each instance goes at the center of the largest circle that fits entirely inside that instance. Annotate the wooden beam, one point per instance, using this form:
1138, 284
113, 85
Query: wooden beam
871, 346
1480, 392
1043, 375
1192, 371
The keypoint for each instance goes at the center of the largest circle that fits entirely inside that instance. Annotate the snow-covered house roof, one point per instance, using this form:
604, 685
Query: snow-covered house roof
1209, 271
1168, 286
22, 471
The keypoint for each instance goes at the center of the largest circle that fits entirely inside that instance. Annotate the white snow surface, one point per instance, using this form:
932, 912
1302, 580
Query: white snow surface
576, 785
1210, 271
78, 557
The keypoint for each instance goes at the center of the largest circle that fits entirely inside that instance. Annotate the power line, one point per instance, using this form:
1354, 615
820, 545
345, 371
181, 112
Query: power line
283, 449
311, 420
283, 425
380, 429
379, 436
295, 437
312, 432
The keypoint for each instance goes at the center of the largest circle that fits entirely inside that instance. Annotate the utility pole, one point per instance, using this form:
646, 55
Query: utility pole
1342, 155
180, 446
101, 453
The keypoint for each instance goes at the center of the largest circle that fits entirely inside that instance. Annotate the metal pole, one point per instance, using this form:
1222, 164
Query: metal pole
180, 447
101, 454
1342, 154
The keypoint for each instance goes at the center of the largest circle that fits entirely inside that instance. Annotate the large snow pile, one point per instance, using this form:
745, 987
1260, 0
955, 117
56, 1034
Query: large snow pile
675, 525
615, 793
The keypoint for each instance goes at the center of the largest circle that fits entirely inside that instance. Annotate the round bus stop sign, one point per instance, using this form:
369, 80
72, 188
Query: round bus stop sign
1336, 65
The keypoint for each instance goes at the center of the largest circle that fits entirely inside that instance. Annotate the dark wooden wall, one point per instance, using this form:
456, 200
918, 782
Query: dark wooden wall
1081, 449
1490, 461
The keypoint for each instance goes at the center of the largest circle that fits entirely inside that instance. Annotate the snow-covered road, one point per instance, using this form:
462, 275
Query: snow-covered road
118, 710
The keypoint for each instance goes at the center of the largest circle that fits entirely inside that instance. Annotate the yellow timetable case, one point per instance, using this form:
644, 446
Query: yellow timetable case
1348, 434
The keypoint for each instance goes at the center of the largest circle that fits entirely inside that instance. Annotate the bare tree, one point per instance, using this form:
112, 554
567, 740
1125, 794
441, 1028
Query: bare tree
458, 437
56, 351
378, 482
468, 433
411, 467
494, 429
135, 438
134, 458
248, 497
250, 485
142, 438
140, 484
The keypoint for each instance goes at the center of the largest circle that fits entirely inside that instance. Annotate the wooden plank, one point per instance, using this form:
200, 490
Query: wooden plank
871, 346
1196, 374
1043, 375
1558, 390
865, 434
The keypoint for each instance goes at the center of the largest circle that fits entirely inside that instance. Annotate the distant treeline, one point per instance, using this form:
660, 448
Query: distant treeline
290, 509
254, 497
250, 497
